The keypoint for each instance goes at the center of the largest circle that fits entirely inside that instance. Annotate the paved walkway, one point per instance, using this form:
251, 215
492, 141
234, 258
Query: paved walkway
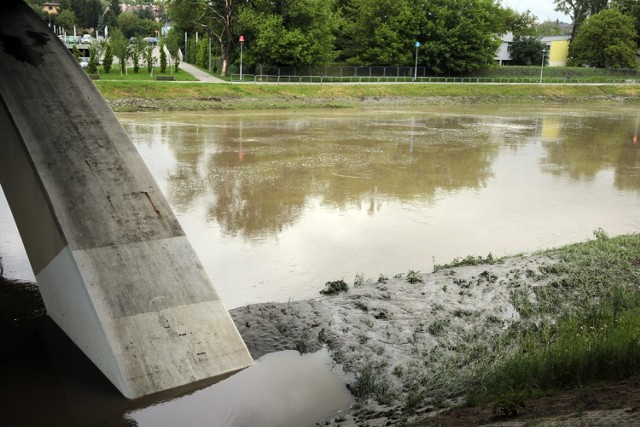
199, 74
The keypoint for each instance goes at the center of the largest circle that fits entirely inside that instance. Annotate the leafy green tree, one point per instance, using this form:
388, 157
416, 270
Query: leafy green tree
145, 13
65, 19
459, 35
163, 57
579, 10
128, 22
148, 56
112, 12
136, 52
605, 40
214, 17
75, 52
87, 12
114, 6
147, 28
174, 43
630, 8
378, 32
289, 32
192, 50
202, 54
108, 58
92, 67
520, 24
549, 28
527, 50
120, 47
99, 47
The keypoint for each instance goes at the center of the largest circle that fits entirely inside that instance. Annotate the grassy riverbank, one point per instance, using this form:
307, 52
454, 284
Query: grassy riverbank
480, 331
486, 334
183, 96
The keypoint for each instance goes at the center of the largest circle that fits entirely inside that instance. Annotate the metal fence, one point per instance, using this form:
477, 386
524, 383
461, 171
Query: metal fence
340, 71
420, 71
320, 79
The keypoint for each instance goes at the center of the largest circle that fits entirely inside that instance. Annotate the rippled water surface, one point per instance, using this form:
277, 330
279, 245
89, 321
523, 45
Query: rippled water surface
278, 203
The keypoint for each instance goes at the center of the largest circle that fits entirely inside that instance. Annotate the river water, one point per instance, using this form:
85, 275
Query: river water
277, 203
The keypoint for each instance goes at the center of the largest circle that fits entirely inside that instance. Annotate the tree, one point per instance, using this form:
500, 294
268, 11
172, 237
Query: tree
216, 18
87, 12
378, 32
202, 54
289, 32
111, 15
145, 13
148, 56
605, 40
128, 22
549, 28
76, 52
459, 36
520, 24
136, 51
579, 10
108, 58
99, 46
527, 50
92, 67
163, 57
174, 42
147, 27
629, 8
120, 48
65, 19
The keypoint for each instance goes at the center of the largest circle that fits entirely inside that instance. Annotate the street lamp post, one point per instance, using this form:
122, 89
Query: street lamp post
241, 43
542, 66
415, 71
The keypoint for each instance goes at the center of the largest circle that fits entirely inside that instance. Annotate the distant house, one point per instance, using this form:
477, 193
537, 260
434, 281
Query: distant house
503, 55
557, 50
51, 8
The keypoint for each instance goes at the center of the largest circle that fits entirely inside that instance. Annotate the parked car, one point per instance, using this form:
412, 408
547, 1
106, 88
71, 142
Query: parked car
87, 39
73, 39
84, 62
151, 40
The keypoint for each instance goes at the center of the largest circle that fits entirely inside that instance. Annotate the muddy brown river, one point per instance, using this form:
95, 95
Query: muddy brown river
276, 203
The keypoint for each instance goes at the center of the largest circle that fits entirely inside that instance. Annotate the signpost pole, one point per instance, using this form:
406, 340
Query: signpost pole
415, 71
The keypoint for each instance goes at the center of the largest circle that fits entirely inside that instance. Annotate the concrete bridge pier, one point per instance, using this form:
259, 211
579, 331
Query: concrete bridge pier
113, 265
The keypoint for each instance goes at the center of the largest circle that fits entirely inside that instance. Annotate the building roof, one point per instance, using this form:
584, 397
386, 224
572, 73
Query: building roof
554, 39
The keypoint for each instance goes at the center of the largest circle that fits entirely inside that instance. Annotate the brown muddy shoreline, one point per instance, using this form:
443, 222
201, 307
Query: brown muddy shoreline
230, 103
384, 330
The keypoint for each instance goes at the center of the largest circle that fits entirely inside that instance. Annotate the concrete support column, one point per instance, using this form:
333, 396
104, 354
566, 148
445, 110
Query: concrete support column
114, 267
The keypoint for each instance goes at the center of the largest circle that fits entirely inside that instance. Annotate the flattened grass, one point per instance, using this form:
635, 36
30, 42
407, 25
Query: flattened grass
596, 294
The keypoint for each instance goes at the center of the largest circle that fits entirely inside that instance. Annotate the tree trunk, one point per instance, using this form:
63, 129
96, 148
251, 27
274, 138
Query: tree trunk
225, 67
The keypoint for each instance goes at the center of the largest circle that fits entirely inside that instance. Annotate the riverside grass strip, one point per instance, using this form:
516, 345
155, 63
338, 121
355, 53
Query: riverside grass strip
185, 96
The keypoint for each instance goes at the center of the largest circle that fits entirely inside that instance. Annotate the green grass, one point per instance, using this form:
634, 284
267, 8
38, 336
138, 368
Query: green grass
297, 95
596, 298
466, 261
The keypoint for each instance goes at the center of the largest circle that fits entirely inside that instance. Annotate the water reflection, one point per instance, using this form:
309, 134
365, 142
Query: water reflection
261, 172
277, 203
591, 144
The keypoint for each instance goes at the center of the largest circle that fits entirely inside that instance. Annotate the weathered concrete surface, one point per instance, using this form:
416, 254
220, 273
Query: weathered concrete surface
114, 267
